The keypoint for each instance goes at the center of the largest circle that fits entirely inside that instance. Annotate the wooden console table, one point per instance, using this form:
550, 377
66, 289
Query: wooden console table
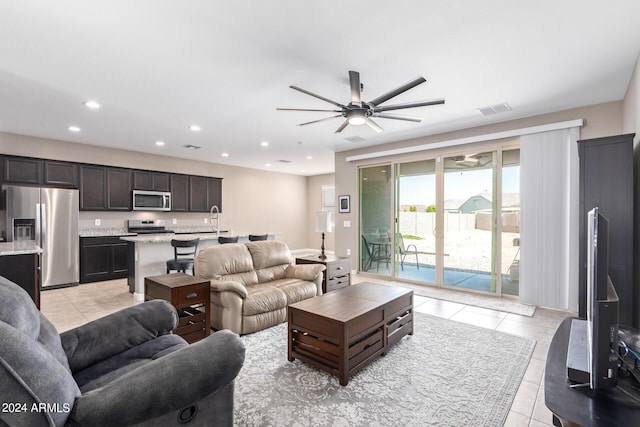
342, 331
336, 276
618, 406
190, 296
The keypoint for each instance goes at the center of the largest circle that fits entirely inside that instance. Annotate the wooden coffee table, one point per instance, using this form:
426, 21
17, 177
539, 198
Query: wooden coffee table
342, 331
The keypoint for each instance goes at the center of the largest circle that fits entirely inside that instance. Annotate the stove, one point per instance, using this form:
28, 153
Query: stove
147, 226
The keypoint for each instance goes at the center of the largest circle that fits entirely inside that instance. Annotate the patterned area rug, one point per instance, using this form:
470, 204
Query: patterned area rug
446, 374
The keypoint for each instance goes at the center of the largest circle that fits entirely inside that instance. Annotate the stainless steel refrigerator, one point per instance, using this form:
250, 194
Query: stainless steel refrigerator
50, 217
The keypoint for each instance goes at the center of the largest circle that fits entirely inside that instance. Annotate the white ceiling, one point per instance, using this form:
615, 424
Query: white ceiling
158, 66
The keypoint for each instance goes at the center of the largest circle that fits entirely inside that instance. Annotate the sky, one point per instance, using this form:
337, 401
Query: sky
420, 189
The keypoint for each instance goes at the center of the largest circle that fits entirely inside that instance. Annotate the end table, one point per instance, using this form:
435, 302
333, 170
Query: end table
190, 296
336, 276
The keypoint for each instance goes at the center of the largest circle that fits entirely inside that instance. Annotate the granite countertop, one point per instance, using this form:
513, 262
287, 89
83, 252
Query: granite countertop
19, 248
167, 237
104, 232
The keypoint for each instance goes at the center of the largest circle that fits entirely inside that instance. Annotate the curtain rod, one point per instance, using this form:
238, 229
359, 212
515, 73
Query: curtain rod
469, 140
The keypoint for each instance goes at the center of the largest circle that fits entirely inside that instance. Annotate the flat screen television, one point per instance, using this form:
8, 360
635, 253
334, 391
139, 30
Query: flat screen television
592, 357
602, 305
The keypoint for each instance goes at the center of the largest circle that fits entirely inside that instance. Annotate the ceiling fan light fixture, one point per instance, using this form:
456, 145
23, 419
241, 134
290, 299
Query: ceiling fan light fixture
357, 121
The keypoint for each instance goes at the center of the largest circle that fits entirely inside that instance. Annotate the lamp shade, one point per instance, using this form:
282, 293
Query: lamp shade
323, 222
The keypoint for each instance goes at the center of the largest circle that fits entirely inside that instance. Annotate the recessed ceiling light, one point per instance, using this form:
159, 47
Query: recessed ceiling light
225, 154
160, 143
74, 128
264, 143
268, 165
92, 104
195, 128
309, 157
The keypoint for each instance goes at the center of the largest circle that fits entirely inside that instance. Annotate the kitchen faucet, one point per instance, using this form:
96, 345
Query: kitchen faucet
217, 218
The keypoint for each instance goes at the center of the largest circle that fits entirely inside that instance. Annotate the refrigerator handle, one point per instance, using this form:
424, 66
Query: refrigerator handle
39, 223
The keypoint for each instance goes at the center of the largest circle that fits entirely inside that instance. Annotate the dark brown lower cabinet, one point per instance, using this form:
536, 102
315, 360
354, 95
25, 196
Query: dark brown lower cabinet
23, 270
103, 258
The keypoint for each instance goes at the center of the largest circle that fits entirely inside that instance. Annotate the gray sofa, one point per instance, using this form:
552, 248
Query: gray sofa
123, 369
253, 283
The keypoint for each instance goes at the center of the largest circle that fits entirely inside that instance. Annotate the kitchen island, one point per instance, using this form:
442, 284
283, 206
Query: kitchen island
151, 252
19, 262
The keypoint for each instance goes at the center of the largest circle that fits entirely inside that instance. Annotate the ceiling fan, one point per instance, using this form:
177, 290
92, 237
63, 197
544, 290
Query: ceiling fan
357, 113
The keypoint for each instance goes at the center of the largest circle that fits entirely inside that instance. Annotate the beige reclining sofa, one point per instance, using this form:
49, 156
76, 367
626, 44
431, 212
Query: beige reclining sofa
252, 283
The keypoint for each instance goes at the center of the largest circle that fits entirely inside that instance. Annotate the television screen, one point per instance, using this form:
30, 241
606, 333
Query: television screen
602, 305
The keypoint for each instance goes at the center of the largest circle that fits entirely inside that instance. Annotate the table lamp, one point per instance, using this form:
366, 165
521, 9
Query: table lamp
323, 225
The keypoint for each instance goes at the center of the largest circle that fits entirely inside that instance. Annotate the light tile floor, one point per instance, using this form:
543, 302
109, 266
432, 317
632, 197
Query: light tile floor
71, 307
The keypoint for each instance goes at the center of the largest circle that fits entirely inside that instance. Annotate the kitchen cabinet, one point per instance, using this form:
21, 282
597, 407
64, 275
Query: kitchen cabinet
105, 188
119, 189
23, 170
22, 269
179, 193
93, 185
150, 180
204, 192
60, 174
104, 258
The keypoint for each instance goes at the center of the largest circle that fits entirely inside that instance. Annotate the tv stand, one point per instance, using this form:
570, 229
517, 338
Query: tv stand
616, 406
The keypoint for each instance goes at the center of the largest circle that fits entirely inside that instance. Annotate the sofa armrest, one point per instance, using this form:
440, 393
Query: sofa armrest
164, 385
229, 286
117, 332
309, 272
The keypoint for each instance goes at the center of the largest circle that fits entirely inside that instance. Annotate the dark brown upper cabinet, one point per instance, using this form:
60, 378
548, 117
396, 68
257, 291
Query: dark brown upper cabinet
149, 180
60, 174
23, 170
179, 193
105, 188
204, 192
119, 189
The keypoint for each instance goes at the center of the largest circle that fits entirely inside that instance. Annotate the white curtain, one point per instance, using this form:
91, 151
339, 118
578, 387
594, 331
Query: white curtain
549, 180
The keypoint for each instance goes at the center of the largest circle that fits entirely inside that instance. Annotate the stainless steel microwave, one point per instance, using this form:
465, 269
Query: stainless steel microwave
151, 200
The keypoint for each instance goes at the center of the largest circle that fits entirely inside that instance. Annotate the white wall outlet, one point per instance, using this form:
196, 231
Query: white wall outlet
348, 252
346, 224
206, 220
97, 222
174, 221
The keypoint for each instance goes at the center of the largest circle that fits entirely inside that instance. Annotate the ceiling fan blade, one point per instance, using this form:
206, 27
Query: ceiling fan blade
373, 125
397, 117
317, 96
342, 126
397, 91
408, 105
354, 82
320, 120
308, 109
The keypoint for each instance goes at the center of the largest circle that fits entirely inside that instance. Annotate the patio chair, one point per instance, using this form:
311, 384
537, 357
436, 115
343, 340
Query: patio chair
406, 250
375, 252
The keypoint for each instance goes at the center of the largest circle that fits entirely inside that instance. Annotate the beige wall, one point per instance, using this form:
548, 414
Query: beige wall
631, 104
253, 200
599, 120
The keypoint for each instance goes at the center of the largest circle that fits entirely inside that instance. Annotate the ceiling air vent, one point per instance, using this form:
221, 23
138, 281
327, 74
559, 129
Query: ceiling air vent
356, 138
191, 147
284, 161
495, 109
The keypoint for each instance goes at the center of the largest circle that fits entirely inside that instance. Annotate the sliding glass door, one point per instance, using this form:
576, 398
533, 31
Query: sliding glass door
416, 221
469, 221
449, 221
375, 220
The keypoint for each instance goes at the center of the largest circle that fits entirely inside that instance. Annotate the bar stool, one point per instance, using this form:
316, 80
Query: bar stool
256, 237
222, 240
183, 253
